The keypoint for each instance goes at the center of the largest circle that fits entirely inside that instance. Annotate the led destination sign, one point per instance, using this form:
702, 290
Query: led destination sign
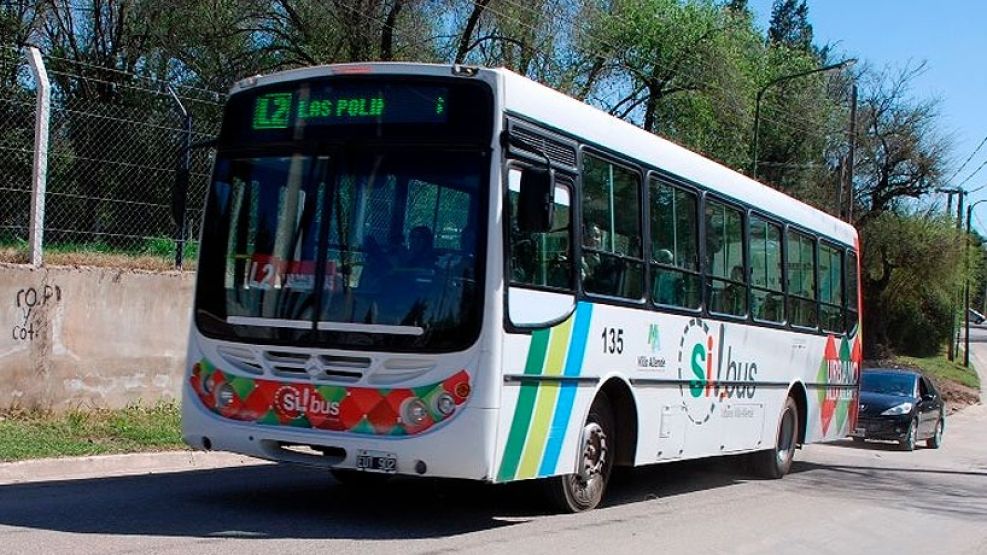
349, 105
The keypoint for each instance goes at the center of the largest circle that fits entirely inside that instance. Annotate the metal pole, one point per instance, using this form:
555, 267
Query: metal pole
180, 192
39, 174
853, 148
760, 94
966, 290
757, 128
953, 339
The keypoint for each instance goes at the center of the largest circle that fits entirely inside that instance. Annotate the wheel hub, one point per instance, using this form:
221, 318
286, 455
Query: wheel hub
594, 452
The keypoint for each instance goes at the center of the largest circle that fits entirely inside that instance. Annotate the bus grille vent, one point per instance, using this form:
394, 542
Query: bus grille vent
557, 152
241, 358
317, 367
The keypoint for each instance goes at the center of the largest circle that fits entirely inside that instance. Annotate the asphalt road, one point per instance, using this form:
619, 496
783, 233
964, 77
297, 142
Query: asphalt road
840, 498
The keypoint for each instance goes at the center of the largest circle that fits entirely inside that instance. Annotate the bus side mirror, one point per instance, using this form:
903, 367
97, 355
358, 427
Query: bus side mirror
536, 205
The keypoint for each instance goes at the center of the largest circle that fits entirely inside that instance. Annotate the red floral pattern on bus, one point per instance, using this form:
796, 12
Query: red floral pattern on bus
360, 410
839, 367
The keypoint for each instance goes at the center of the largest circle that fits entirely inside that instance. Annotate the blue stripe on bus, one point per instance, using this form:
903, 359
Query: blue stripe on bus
563, 408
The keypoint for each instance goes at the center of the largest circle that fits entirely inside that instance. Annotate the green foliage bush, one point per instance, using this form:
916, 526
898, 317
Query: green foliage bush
914, 271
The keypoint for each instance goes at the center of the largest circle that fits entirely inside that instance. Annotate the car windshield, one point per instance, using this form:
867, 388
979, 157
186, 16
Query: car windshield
392, 237
888, 384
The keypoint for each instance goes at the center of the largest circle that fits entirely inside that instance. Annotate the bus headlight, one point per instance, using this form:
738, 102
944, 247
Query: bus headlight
444, 404
414, 411
208, 383
224, 395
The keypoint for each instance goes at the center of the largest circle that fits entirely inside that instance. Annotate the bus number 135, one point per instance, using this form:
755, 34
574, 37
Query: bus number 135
613, 340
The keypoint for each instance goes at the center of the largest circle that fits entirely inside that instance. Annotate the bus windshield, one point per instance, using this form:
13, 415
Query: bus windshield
356, 248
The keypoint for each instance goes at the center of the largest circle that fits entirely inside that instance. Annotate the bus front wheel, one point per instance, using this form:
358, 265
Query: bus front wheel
584, 490
776, 462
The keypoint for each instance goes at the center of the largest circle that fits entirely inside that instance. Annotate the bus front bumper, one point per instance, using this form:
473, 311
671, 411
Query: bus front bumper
459, 448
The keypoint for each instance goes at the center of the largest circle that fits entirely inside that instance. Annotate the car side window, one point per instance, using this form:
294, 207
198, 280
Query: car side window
928, 386
922, 388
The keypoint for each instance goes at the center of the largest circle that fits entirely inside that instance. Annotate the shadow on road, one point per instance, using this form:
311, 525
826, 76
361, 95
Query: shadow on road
874, 445
935, 491
282, 501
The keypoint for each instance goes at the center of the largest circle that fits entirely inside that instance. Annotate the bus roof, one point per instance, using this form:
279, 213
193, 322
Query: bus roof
543, 104
546, 105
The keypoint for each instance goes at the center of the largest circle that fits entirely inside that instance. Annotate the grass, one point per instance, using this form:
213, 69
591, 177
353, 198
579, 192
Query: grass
155, 253
33, 435
940, 368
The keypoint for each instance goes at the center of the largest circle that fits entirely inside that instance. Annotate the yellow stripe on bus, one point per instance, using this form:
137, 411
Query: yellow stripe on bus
548, 395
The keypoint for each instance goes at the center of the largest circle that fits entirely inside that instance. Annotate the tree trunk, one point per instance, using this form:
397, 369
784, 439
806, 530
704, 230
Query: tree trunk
474, 19
387, 33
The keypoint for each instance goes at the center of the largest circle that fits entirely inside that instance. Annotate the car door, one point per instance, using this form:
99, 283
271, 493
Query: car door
928, 408
936, 405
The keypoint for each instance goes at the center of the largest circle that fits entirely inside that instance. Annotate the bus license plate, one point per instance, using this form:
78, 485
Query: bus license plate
376, 461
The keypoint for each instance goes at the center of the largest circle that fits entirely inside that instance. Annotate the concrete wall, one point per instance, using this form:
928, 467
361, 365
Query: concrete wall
85, 337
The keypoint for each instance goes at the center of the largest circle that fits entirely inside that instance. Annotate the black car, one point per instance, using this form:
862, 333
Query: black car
899, 405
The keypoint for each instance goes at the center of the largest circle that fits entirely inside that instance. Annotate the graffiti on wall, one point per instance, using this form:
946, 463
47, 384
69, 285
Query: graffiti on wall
28, 302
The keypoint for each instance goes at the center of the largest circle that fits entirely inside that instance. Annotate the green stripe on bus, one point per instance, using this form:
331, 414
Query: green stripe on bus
548, 395
525, 405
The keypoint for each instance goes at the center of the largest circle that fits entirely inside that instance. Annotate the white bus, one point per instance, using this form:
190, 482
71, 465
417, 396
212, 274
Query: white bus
457, 272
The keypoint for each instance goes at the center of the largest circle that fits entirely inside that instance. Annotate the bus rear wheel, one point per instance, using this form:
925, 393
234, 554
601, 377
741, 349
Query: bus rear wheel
776, 462
584, 490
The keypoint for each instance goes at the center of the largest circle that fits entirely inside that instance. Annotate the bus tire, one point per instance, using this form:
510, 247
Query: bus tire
583, 491
776, 462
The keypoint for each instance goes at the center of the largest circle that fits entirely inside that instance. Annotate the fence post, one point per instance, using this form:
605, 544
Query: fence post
39, 175
179, 197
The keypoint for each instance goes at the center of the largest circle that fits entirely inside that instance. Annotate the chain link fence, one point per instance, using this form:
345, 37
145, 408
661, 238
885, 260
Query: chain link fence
17, 116
115, 142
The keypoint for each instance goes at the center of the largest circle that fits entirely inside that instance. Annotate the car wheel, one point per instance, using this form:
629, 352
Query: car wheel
775, 463
584, 490
908, 444
935, 441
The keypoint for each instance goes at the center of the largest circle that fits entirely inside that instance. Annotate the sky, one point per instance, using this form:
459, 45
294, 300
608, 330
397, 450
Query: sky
949, 35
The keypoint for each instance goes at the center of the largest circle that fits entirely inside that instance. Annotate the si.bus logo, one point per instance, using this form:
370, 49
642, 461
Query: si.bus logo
708, 371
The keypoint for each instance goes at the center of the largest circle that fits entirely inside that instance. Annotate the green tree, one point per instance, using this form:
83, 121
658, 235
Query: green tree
654, 50
913, 266
790, 25
901, 153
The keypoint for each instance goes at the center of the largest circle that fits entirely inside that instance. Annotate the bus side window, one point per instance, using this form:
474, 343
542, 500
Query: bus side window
852, 310
831, 288
674, 246
542, 259
727, 285
801, 279
766, 278
612, 261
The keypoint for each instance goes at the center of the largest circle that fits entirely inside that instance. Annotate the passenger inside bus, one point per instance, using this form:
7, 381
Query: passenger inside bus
771, 309
421, 252
592, 239
668, 285
735, 293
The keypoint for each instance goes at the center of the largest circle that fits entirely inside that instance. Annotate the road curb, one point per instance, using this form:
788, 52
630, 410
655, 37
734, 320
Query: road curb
107, 466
